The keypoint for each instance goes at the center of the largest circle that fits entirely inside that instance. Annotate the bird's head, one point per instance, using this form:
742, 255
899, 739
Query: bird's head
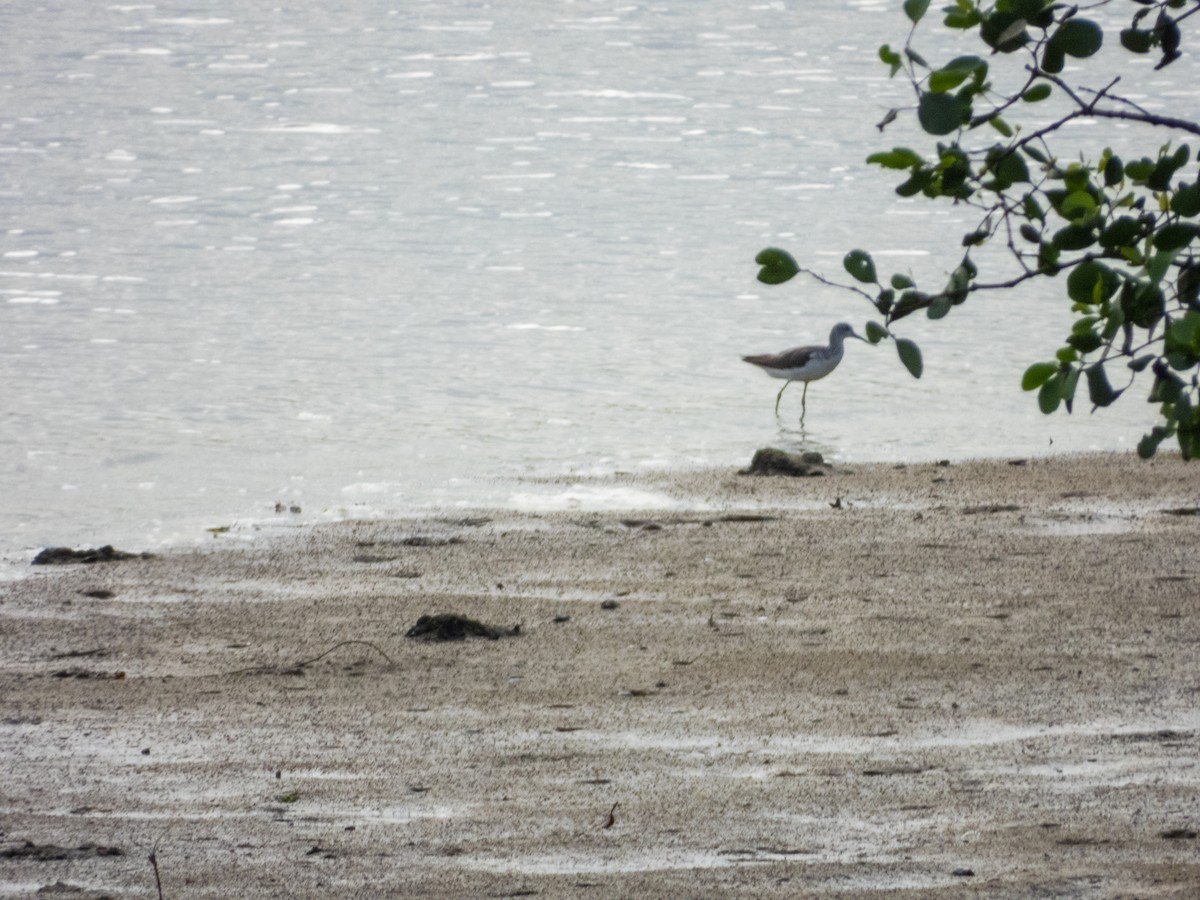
843, 330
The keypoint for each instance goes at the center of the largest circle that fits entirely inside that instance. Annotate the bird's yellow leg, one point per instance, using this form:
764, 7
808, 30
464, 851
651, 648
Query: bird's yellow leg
779, 396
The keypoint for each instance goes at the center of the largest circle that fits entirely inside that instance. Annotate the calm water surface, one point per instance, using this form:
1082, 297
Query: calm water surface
376, 260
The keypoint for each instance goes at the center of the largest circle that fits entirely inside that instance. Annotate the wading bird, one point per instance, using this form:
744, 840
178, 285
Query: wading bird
804, 363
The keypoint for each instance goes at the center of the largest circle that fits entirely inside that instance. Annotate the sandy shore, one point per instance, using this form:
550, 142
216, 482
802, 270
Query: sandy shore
928, 680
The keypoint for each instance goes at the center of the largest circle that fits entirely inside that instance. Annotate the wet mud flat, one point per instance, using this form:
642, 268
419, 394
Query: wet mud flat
975, 679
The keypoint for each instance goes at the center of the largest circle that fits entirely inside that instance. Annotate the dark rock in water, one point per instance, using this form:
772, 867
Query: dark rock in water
65, 556
772, 461
453, 627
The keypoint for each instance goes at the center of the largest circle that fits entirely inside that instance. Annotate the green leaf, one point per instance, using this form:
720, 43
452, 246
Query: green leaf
915, 9
1116, 318
891, 58
1186, 200
1037, 375
1004, 31
1175, 236
962, 17
1048, 256
1001, 126
859, 264
1035, 154
942, 81
939, 113
1179, 361
1124, 232
875, 332
1050, 394
1053, 58
1090, 282
1167, 387
1085, 342
1187, 286
909, 302
1037, 93
1166, 167
1027, 9
1079, 38
1012, 170
1143, 305
1070, 380
901, 282
1157, 265
1077, 178
956, 72
1031, 234
1078, 207
778, 266
1187, 443
1140, 170
917, 182
1183, 412
1185, 332
954, 168
910, 355
1136, 40
896, 158
939, 307
1167, 32
1139, 364
916, 57
1114, 171
1074, 237
1148, 445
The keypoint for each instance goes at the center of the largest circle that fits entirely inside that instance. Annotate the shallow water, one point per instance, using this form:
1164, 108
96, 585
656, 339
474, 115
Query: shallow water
368, 262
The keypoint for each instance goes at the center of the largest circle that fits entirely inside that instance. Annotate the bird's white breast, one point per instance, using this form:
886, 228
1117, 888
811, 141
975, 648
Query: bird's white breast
816, 367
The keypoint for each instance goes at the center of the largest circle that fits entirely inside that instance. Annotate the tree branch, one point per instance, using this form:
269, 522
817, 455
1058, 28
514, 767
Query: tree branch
924, 302
845, 287
1149, 119
1089, 108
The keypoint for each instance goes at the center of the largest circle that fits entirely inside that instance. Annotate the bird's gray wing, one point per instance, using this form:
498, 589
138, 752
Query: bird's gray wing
787, 359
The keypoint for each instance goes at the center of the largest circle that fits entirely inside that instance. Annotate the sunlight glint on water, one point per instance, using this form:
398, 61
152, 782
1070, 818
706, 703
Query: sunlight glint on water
370, 263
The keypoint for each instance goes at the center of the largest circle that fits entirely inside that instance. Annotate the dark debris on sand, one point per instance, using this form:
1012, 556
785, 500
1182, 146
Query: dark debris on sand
52, 852
65, 556
453, 627
773, 461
